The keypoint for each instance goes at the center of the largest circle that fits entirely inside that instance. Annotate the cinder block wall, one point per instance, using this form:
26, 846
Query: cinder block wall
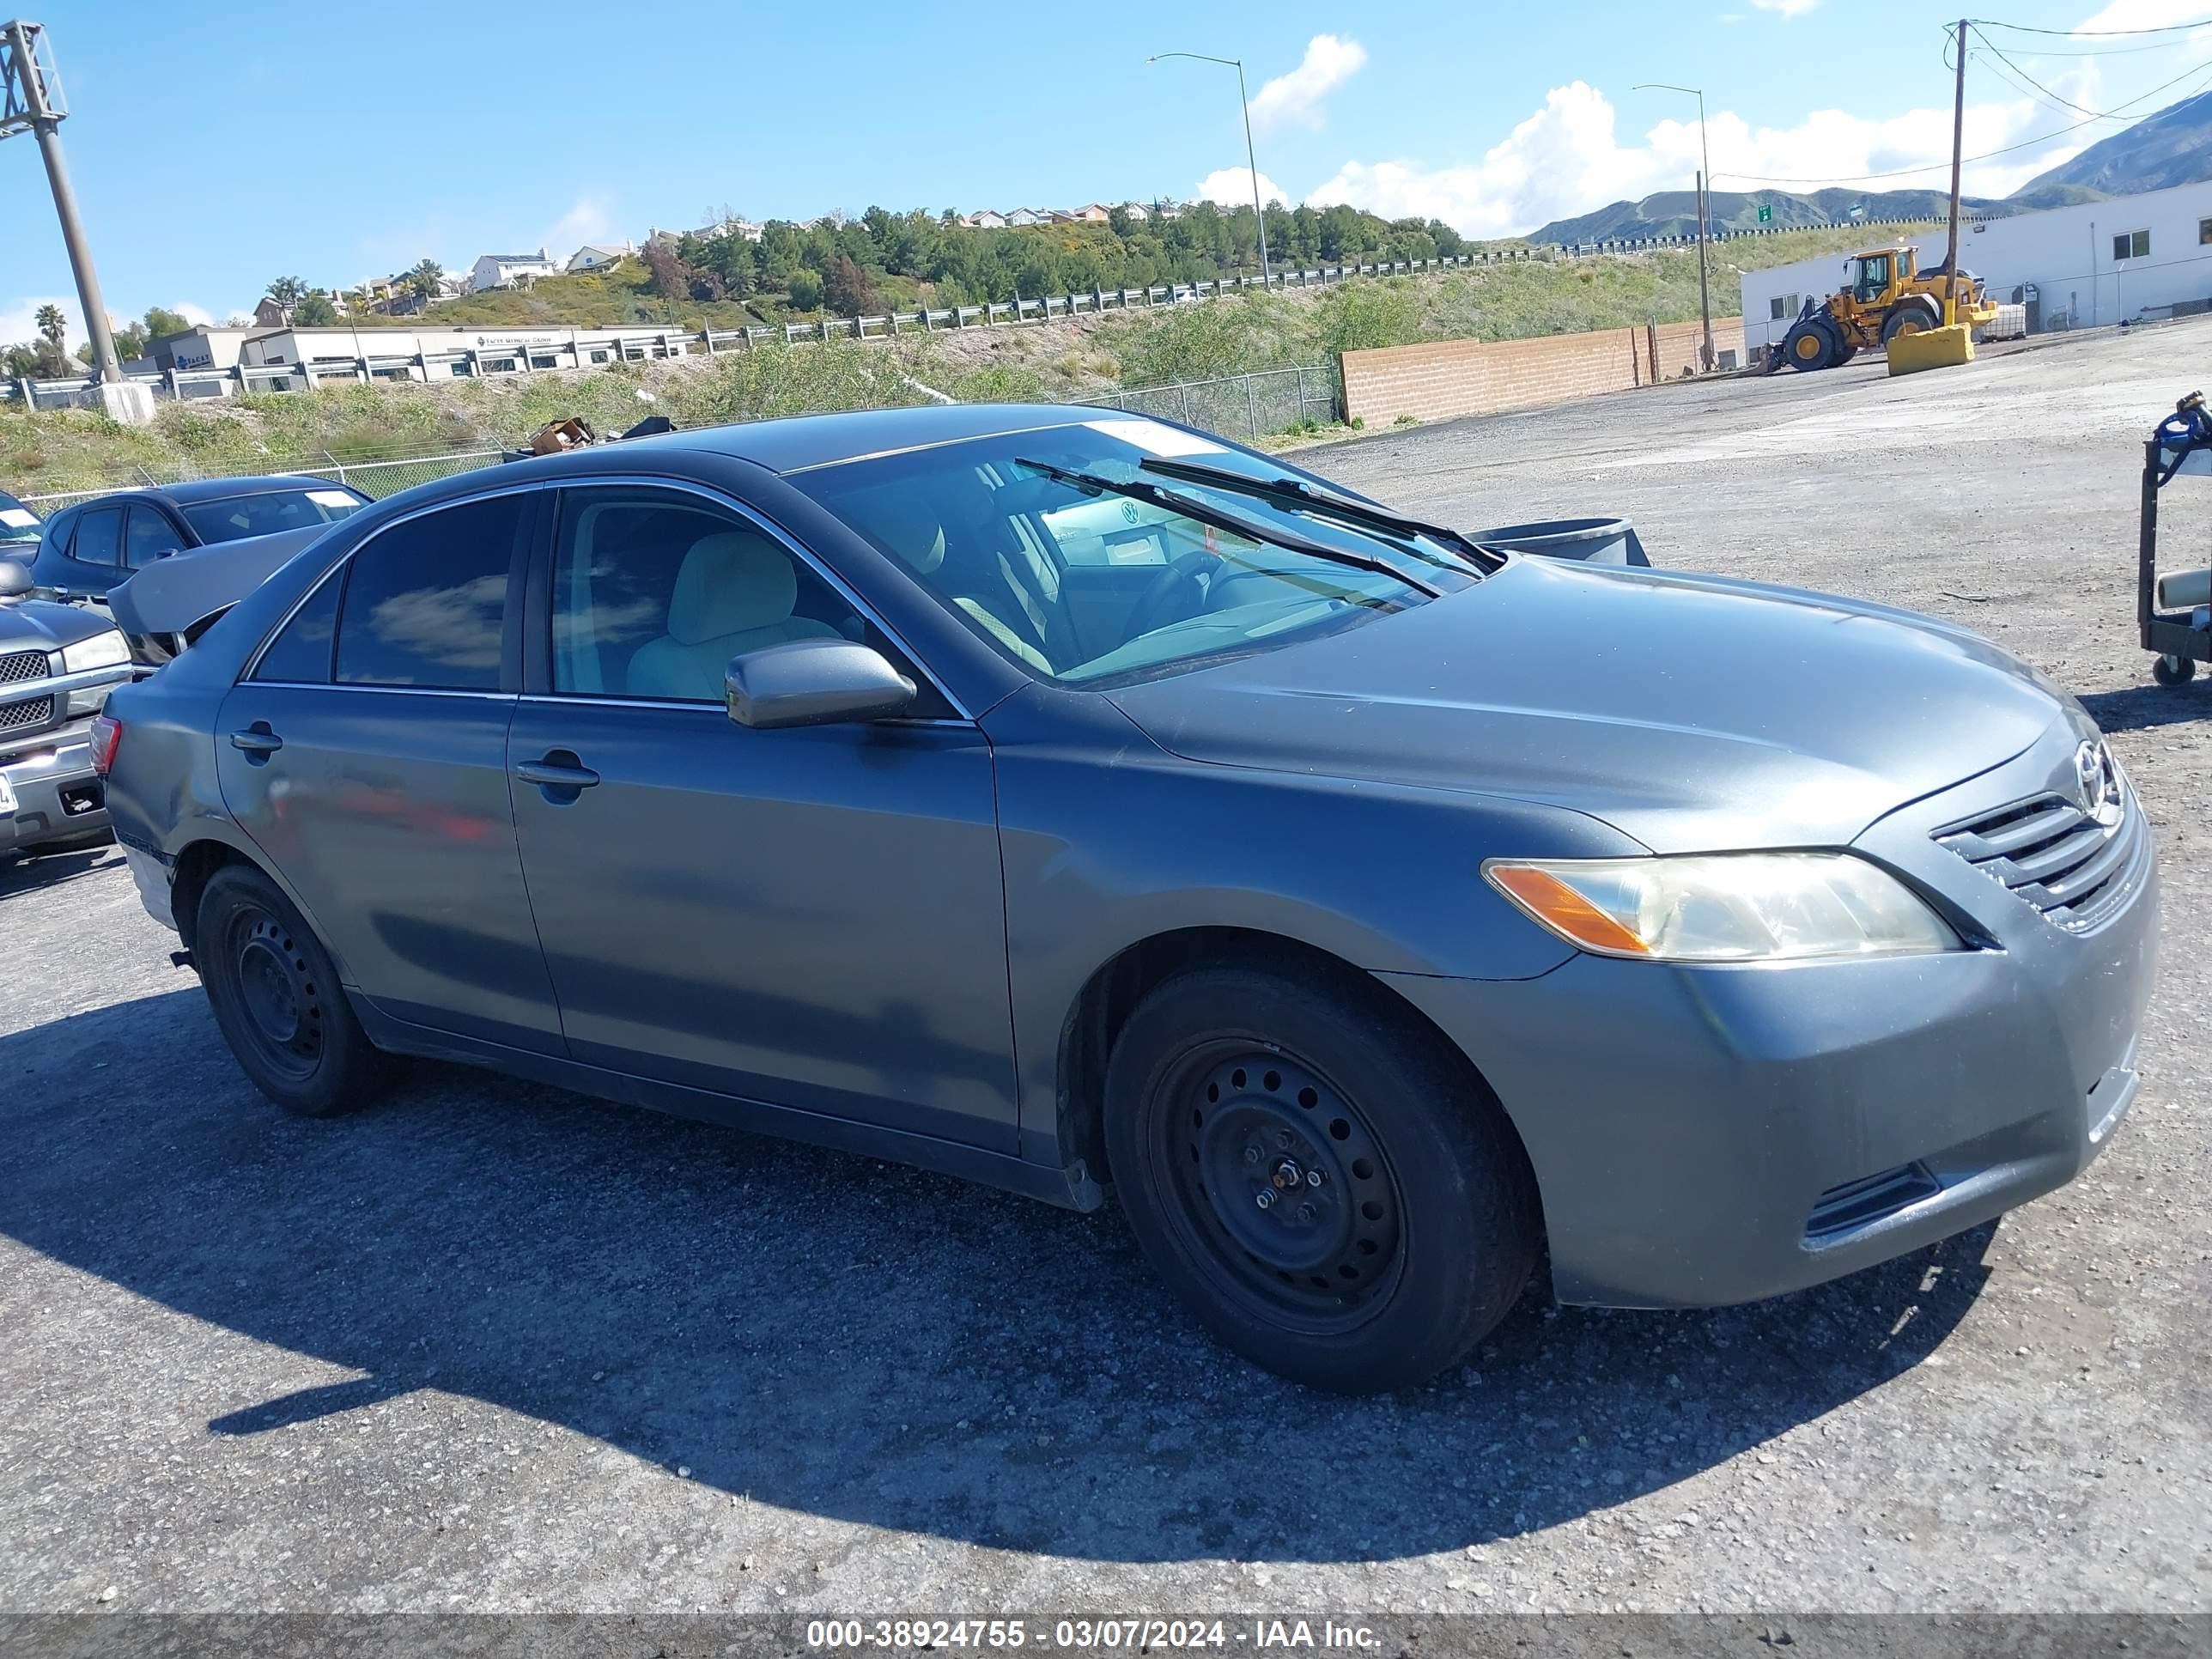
1435, 381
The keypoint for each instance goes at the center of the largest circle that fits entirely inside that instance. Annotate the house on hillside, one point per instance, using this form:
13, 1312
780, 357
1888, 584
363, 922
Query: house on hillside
733, 225
1137, 211
1028, 216
594, 256
509, 270
1092, 213
988, 219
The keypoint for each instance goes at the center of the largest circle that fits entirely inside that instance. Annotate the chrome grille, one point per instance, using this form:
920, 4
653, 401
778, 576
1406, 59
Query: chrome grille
31, 711
2049, 852
20, 666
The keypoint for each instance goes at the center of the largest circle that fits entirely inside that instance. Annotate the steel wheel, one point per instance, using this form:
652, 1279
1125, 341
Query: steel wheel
278, 993
1283, 1182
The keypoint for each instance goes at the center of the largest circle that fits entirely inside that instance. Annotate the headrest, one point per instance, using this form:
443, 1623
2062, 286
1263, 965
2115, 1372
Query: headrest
902, 521
730, 582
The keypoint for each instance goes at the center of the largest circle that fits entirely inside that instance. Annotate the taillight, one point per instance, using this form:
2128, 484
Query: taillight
106, 739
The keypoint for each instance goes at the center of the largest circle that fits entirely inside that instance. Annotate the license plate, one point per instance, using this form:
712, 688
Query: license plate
7, 796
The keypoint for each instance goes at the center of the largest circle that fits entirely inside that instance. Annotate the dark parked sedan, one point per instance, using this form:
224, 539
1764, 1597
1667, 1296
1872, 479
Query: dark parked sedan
91, 547
1064, 799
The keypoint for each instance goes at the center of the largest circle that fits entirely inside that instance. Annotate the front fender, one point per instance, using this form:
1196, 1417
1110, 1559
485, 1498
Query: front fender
1107, 840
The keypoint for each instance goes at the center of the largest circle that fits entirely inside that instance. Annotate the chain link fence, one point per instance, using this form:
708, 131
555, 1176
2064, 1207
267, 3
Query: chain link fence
375, 478
1246, 406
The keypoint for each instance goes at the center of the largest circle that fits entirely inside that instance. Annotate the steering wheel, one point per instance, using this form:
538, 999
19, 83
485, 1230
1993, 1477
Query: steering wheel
1190, 576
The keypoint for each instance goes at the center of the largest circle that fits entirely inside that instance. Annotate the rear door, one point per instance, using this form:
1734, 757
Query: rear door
366, 753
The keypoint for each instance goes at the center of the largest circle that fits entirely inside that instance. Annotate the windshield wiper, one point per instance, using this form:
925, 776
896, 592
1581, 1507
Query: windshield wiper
1221, 518
1295, 492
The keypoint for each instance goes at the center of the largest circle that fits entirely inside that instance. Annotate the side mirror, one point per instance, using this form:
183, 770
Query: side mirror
814, 682
15, 580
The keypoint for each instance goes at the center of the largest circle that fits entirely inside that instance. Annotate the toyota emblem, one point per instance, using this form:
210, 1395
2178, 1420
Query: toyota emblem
2097, 776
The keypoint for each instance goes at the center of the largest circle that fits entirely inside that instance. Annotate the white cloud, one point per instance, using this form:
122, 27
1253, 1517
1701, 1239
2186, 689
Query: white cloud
1296, 98
1786, 7
191, 313
1568, 159
1232, 188
591, 219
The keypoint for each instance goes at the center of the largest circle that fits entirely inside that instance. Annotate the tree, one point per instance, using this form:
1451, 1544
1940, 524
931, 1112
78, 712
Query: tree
422, 280
313, 311
131, 341
805, 290
670, 279
52, 351
848, 290
287, 292
52, 324
161, 322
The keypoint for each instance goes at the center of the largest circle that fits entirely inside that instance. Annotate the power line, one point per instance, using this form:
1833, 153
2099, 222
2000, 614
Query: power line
2024, 29
2098, 115
2204, 70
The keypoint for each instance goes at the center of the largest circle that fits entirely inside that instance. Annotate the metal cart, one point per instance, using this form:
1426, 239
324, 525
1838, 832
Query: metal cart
2181, 637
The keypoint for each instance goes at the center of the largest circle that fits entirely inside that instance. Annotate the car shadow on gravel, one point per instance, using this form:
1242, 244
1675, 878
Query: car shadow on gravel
39, 870
840, 1337
2139, 707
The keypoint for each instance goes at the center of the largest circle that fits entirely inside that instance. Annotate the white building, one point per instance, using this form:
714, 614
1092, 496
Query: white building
595, 257
505, 270
423, 354
2094, 262
988, 219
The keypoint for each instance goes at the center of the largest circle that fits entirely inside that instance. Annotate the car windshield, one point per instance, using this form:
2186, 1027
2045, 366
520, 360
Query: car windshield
1085, 585
235, 517
19, 525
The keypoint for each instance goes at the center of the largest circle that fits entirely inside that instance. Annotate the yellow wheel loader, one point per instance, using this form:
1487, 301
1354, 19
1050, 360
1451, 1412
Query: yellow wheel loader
1883, 296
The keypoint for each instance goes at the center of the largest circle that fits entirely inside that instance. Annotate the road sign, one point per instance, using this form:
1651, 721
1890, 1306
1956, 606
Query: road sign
1765, 213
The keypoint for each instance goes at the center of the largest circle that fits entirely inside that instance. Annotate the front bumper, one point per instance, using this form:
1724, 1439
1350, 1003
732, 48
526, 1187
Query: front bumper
48, 790
1710, 1135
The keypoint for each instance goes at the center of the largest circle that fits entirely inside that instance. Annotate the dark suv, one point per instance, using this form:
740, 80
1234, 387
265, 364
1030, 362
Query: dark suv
90, 548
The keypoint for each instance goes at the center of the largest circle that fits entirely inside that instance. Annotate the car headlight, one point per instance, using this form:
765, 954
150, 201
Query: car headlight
100, 651
1724, 906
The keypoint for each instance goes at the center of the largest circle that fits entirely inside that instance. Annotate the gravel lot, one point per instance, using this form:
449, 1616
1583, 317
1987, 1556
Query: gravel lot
494, 1347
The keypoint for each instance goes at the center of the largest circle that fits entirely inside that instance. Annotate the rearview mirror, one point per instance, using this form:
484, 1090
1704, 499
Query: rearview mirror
813, 683
15, 580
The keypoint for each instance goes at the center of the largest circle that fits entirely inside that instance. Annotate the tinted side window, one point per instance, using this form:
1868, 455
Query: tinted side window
300, 654
425, 602
655, 591
151, 537
99, 537
54, 535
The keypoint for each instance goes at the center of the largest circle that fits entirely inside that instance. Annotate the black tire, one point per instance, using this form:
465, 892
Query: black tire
276, 997
1813, 343
1910, 317
1415, 1226
2174, 670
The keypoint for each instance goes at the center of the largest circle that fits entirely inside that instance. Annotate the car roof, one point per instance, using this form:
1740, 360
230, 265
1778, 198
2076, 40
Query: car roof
794, 444
215, 489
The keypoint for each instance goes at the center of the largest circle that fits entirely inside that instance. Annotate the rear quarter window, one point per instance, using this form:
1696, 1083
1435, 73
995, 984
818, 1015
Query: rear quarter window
425, 602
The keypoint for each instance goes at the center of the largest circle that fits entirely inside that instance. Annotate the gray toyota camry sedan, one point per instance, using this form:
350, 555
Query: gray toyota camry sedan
1072, 801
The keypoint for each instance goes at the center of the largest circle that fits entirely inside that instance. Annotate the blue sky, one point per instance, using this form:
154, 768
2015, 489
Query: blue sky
215, 147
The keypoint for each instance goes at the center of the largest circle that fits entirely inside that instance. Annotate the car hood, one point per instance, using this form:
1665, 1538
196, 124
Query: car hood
1689, 712
44, 625
173, 594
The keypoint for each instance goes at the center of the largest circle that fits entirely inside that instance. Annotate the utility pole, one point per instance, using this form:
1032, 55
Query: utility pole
1704, 208
33, 102
1958, 151
1705, 300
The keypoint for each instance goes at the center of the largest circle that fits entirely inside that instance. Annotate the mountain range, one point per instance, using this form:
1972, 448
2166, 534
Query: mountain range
2173, 147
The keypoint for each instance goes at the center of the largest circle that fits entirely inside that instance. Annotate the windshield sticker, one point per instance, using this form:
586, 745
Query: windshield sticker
15, 518
331, 498
1165, 442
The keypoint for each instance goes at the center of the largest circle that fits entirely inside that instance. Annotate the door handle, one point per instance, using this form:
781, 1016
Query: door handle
257, 740
556, 773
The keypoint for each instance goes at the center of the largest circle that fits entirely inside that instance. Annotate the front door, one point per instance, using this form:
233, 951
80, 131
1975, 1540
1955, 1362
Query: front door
366, 753
812, 917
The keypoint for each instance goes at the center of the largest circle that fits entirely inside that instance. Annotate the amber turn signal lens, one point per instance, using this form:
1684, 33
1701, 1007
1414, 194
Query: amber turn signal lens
1566, 911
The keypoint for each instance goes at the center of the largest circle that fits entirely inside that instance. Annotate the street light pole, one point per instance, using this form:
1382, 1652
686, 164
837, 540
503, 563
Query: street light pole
1704, 210
1251, 161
